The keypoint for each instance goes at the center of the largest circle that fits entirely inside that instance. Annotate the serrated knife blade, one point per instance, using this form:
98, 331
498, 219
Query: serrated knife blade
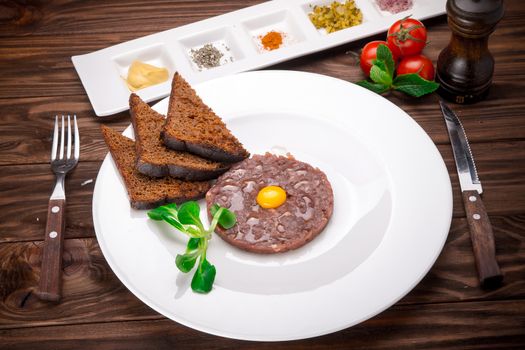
467, 172
481, 233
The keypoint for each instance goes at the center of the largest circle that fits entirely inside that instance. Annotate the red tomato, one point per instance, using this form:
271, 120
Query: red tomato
419, 64
369, 54
408, 35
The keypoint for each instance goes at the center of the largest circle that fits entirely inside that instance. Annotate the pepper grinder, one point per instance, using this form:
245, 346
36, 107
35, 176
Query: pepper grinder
465, 66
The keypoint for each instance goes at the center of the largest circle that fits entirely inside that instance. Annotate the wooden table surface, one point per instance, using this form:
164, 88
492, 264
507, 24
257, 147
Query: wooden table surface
447, 310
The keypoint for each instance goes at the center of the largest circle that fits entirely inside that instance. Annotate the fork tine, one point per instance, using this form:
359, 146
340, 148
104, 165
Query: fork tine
68, 137
55, 140
62, 140
77, 139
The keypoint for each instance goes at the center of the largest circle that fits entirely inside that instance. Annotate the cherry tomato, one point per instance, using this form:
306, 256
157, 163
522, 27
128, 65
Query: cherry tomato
419, 64
369, 54
408, 35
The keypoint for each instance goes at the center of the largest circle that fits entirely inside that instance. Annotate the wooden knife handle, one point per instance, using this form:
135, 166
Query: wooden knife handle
482, 239
50, 275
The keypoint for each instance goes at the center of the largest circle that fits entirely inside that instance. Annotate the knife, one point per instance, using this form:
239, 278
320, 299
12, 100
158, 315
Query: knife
481, 233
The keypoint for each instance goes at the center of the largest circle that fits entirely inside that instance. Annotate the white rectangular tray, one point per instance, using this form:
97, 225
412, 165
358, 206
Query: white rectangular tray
102, 72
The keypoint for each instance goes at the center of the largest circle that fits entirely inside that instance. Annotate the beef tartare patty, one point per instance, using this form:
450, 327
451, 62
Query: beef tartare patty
304, 214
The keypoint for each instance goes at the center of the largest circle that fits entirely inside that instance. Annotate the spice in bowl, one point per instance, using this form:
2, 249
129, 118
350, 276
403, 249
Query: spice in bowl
336, 16
209, 56
141, 75
394, 6
272, 40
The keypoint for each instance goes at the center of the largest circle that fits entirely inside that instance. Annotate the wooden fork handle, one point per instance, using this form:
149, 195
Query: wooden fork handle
482, 238
50, 275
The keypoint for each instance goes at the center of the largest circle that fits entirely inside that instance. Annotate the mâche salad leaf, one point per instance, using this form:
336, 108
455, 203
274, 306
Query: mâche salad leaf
186, 219
382, 76
203, 278
226, 219
189, 214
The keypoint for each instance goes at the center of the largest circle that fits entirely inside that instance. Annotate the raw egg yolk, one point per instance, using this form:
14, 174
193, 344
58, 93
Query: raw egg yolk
271, 197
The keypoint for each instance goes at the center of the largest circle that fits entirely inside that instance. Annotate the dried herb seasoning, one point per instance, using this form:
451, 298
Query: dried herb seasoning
208, 56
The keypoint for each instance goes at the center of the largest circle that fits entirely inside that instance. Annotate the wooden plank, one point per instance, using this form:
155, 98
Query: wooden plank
46, 67
481, 325
74, 17
26, 127
446, 310
501, 169
66, 16
25, 189
45, 64
453, 277
92, 293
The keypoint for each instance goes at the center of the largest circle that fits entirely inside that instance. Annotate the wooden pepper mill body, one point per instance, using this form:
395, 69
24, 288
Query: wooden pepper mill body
465, 66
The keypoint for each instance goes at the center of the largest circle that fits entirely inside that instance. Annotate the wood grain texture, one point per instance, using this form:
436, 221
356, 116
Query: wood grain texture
501, 173
47, 69
41, 17
447, 309
453, 277
24, 192
26, 126
480, 325
92, 293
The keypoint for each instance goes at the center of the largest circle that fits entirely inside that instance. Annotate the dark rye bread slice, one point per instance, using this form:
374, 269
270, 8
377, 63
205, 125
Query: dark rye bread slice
146, 192
193, 126
155, 159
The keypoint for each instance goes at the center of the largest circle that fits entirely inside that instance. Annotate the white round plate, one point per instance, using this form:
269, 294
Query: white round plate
392, 213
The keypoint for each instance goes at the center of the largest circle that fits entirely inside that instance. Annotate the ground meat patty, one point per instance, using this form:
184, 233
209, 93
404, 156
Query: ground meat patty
302, 217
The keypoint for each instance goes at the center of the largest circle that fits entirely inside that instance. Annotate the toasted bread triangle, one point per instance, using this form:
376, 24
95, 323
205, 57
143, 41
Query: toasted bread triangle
155, 159
193, 126
146, 192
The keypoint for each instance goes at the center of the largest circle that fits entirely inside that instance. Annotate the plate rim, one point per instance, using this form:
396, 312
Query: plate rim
121, 275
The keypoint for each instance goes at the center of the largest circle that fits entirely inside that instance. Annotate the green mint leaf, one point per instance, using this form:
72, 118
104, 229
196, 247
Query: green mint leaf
189, 214
202, 281
384, 54
413, 85
193, 244
380, 64
186, 262
375, 87
168, 209
380, 76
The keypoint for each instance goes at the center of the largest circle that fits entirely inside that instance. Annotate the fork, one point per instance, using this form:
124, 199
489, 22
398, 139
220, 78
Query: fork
50, 278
